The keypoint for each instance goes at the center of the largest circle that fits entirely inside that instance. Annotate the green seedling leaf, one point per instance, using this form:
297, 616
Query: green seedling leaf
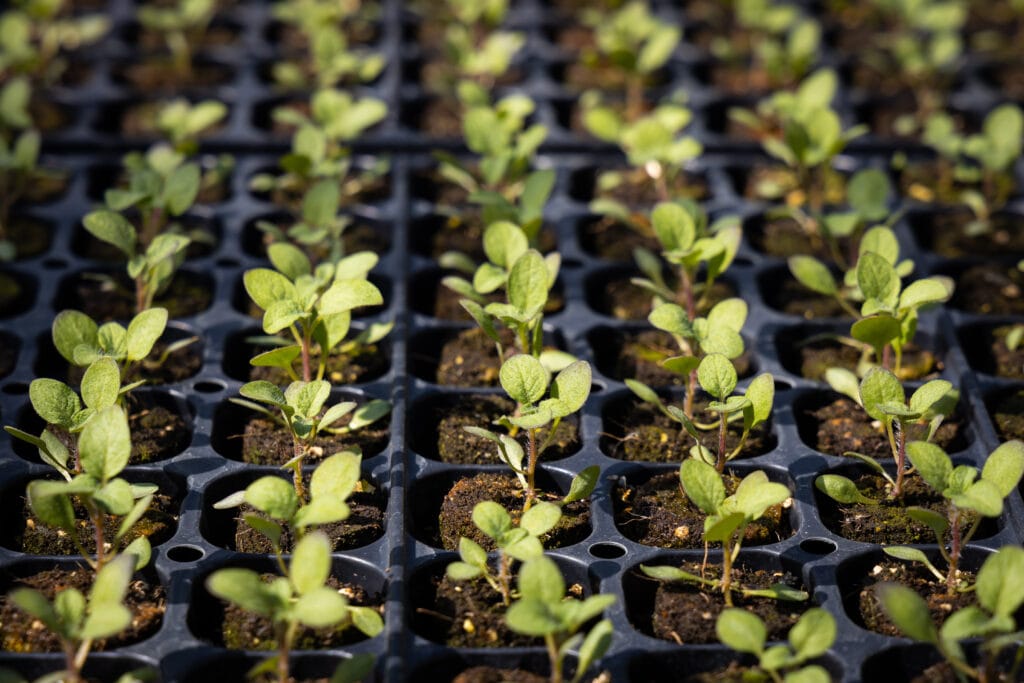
703, 485
311, 562
594, 646
1000, 584
113, 228
729, 314
813, 634
336, 477
277, 358
504, 243
528, 283
924, 292
491, 518
524, 379
664, 573
105, 443
674, 226
1004, 467
755, 494
320, 607
143, 332
843, 381
813, 274
982, 497
877, 331
868, 193
354, 669
50, 504
72, 329
266, 286
877, 279
929, 394
908, 611
101, 383
570, 388
582, 485
672, 319
265, 392
347, 294
933, 520
931, 463
53, 401
244, 588
540, 580
761, 394
842, 490
717, 376
540, 518
289, 259
741, 630
274, 496
880, 387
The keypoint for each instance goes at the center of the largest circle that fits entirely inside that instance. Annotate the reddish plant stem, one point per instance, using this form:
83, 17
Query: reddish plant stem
727, 573
901, 459
955, 548
531, 468
722, 431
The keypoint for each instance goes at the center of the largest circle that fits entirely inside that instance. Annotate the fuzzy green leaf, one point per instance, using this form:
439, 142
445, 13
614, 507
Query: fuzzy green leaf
105, 443
491, 518
266, 286
841, 490
336, 477
244, 588
741, 630
274, 496
1004, 467
672, 319
321, 607
583, 484
931, 463
540, 580
525, 379
717, 376
908, 611
813, 274
877, 279
541, 518
264, 392
878, 388
924, 292
703, 485
813, 634
1000, 584
674, 226
72, 329
54, 401
311, 562
528, 283
347, 294
112, 228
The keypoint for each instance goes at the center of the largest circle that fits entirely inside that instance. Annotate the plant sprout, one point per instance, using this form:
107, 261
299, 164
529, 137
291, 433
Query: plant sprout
180, 24
784, 44
811, 636
321, 229
34, 37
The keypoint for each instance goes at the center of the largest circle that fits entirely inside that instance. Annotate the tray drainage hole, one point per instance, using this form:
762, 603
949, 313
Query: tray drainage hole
209, 387
185, 553
227, 263
818, 546
607, 551
55, 263
782, 385
16, 388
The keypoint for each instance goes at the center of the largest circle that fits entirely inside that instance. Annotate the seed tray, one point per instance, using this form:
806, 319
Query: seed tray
405, 472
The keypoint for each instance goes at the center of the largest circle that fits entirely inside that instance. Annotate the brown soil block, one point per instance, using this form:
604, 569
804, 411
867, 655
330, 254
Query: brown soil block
686, 615
886, 523
23, 633
456, 515
785, 294
468, 614
360, 365
783, 237
471, 359
637, 189
36, 538
658, 513
841, 425
457, 446
621, 299
157, 75
157, 432
639, 356
242, 630
944, 234
1008, 415
915, 576
610, 239
364, 525
264, 442
639, 432
990, 289
105, 298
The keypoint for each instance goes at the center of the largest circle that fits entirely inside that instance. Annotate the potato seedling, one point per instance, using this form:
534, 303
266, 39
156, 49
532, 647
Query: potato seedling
717, 377
883, 399
968, 500
543, 611
767, 119
314, 306
80, 340
101, 452
514, 543
318, 148
784, 44
36, 34
331, 483
527, 382
719, 333
181, 123
653, 143
727, 518
151, 265
811, 636
181, 24
992, 620
473, 50
299, 598
320, 230
300, 410
79, 621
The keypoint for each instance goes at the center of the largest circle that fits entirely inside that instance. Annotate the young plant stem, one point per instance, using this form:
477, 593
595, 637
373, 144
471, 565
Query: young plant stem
554, 657
634, 97
531, 468
691, 389
96, 515
143, 300
727, 573
955, 544
723, 425
299, 450
898, 443
505, 579
284, 650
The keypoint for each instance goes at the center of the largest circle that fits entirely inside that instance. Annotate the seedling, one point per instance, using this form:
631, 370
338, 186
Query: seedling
717, 377
35, 37
527, 382
768, 117
811, 637
79, 622
101, 452
182, 122
784, 44
991, 620
299, 598
80, 340
543, 611
300, 410
320, 231
473, 49
719, 333
314, 306
514, 543
18, 171
318, 148
883, 399
726, 523
969, 500
688, 243
633, 44
331, 483
817, 277
151, 265
654, 144
181, 25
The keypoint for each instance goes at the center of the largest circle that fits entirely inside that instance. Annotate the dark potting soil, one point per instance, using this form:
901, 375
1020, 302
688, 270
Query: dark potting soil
242, 630
456, 514
912, 575
104, 298
32, 236
791, 297
843, 426
364, 525
1008, 415
20, 632
639, 356
264, 442
658, 513
489, 674
468, 614
36, 538
645, 434
362, 364
608, 238
178, 366
1009, 364
471, 359
457, 446
990, 289
947, 236
624, 300
686, 615
636, 190
826, 190
823, 353
160, 75
157, 432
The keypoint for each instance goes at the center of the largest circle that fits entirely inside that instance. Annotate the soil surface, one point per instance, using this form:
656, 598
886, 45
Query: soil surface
456, 445
362, 364
639, 355
611, 239
470, 359
621, 299
990, 289
636, 190
842, 426
1008, 416
106, 298
364, 525
1007, 363
945, 236
241, 630
912, 575
264, 442
21, 633
789, 296
179, 366
639, 432
467, 614
686, 616
658, 513
488, 674
456, 515
36, 538
818, 356
157, 432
